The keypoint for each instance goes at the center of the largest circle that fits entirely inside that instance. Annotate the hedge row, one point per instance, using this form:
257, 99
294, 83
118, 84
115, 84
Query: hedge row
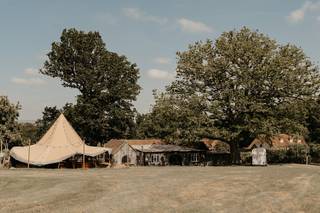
315, 153
292, 154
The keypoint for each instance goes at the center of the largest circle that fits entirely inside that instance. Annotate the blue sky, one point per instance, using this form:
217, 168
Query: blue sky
148, 32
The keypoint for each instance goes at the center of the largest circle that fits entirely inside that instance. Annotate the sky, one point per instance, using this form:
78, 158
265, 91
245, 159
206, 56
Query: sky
148, 32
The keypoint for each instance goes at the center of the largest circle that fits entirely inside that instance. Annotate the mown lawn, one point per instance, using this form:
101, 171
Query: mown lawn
287, 188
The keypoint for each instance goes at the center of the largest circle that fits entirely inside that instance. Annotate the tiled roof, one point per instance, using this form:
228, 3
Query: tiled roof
216, 146
145, 142
279, 141
166, 148
115, 144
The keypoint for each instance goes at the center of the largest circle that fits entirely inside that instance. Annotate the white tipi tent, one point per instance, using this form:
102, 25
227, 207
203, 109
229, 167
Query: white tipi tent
59, 143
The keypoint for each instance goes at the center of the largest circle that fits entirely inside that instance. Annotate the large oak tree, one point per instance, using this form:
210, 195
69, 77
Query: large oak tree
249, 84
107, 83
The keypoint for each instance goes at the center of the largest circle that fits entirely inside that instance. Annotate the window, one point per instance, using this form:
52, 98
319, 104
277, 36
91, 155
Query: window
194, 157
155, 158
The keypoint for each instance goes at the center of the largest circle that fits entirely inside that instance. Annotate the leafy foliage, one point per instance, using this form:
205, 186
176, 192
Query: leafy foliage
28, 132
9, 113
315, 152
293, 154
247, 84
179, 121
313, 121
107, 83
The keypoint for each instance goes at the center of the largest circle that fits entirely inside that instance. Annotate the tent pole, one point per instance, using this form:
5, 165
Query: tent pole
73, 162
29, 153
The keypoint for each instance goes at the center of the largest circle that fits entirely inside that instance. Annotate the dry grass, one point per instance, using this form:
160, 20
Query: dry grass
289, 188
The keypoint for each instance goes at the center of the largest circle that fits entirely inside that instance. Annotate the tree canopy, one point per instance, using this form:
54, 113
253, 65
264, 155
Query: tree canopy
28, 131
107, 83
248, 84
175, 119
9, 113
313, 121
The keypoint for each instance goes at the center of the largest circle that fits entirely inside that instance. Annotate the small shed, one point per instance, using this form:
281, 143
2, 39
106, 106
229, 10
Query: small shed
259, 156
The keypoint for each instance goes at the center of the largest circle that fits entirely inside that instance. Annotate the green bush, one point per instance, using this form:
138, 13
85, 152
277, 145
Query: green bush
315, 153
296, 153
246, 158
276, 156
293, 154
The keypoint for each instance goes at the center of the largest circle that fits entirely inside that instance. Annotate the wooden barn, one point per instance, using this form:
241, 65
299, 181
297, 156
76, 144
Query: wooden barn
123, 151
167, 154
153, 152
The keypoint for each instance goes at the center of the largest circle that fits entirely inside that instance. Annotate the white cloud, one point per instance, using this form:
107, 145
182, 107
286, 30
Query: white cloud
296, 16
162, 60
139, 15
31, 71
28, 81
160, 74
299, 14
194, 26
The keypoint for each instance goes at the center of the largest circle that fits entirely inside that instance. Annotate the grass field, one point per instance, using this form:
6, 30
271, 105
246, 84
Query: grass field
288, 188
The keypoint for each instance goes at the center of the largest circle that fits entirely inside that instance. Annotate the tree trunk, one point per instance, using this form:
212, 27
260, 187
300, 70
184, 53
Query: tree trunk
235, 152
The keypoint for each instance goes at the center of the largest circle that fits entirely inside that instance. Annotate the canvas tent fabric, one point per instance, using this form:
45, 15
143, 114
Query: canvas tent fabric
59, 143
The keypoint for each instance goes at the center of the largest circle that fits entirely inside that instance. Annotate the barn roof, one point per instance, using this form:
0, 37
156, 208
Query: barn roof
216, 146
116, 144
145, 142
279, 141
157, 148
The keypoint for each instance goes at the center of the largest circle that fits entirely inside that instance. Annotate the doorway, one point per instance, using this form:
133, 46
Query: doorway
175, 159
